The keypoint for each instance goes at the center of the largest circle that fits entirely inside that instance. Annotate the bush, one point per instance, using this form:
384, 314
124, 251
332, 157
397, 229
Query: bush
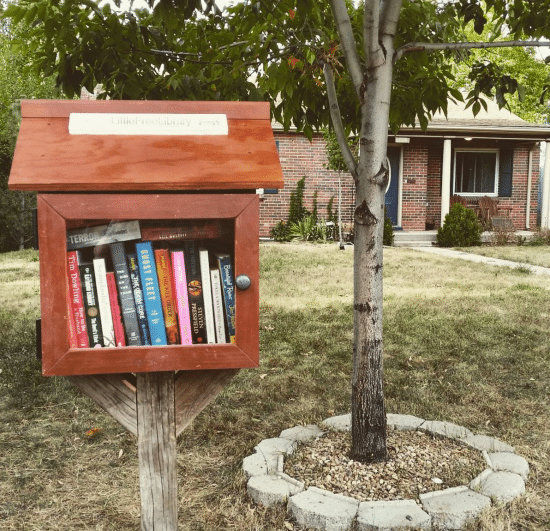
460, 228
388, 230
281, 232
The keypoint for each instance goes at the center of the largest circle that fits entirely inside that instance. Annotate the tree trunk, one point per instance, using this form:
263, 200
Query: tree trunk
368, 409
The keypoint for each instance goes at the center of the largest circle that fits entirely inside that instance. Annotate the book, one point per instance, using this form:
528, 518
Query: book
100, 274
217, 304
91, 304
126, 294
116, 313
73, 342
182, 299
151, 293
204, 262
103, 234
228, 290
194, 292
77, 302
192, 230
167, 295
141, 313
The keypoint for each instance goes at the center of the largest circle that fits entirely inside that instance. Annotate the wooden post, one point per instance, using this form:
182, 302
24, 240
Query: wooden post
156, 427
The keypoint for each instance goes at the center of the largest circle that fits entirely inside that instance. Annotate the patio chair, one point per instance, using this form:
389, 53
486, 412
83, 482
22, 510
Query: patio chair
458, 199
491, 219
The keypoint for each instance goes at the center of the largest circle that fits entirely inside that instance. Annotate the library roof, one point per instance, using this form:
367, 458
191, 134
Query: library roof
75, 145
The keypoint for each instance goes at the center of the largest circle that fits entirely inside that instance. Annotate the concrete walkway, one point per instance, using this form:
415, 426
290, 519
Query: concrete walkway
451, 253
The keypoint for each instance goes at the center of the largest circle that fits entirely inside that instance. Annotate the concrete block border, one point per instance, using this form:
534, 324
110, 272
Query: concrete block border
450, 509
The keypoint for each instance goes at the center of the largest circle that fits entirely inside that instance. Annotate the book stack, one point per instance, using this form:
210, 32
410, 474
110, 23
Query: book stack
135, 284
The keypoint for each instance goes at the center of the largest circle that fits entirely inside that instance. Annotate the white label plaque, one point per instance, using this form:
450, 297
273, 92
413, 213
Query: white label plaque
147, 124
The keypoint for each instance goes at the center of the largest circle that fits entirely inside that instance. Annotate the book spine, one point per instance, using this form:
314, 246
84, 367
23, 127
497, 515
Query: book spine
116, 314
167, 296
141, 313
151, 292
182, 299
104, 303
217, 303
207, 295
126, 294
191, 231
73, 342
89, 293
77, 302
102, 235
194, 292
228, 289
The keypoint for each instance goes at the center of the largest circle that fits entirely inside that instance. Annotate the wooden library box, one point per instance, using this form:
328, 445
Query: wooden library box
148, 231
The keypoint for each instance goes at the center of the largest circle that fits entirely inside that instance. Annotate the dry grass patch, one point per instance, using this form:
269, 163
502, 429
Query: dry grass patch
464, 343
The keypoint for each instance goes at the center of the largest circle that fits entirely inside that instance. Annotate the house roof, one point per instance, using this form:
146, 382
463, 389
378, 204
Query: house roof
493, 122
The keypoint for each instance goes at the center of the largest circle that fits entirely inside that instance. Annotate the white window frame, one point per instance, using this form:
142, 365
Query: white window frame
477, 150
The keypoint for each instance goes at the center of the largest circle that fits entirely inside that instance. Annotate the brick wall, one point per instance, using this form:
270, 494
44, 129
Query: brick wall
518, 201
301, 157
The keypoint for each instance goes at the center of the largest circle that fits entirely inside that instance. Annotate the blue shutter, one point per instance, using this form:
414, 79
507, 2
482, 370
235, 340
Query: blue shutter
505, 173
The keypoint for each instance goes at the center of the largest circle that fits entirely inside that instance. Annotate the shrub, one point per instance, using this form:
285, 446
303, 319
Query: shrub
281, 232
460, 228
388, 230
305, 229
297, 209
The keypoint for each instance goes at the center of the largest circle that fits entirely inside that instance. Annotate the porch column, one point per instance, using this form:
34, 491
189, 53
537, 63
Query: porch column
446, 179
545, 207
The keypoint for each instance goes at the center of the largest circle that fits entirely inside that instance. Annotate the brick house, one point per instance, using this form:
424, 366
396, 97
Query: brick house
495, 154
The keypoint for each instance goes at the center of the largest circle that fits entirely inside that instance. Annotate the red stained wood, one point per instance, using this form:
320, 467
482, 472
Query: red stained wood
47, 158
57, 212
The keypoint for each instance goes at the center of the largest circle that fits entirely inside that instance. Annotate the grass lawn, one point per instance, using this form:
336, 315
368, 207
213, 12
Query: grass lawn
464, 343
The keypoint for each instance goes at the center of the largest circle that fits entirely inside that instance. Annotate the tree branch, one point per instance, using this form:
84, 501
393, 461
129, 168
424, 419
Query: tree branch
431, 47
374, 55
345, 31
389, 16
336, 119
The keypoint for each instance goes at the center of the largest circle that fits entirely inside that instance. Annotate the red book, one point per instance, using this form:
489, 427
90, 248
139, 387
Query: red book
167, 295
73, 343
120, 340
77, 302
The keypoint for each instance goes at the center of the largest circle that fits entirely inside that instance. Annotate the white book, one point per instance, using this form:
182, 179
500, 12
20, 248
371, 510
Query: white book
104, 303
217, 301
207, 296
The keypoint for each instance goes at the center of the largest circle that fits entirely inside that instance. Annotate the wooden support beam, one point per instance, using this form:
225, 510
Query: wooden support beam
113, 393
194, 390
157, 451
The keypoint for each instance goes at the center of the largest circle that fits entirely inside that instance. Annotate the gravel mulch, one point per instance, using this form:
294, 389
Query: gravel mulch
418, 463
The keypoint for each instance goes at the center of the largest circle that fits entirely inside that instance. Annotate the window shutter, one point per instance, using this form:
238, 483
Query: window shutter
505, 173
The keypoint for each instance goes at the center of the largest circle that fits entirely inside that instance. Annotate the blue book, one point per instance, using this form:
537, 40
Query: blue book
228, 290
151, 292
138, 297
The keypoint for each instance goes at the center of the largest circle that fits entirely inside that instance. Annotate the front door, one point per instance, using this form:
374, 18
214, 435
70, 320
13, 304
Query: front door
392, 190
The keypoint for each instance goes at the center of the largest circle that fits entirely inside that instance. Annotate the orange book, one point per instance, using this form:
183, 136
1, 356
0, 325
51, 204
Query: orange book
167, 295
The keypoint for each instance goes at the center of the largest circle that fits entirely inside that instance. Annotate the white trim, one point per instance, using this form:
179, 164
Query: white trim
496, 180
400, 190
446, 177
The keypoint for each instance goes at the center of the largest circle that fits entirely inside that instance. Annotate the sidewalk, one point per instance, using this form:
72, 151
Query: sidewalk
537, 270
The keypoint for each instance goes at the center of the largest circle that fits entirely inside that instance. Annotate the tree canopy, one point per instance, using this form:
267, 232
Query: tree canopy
16, 83
188, 49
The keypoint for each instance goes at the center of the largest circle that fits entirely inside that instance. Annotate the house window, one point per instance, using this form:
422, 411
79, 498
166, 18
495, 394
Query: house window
476, 172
